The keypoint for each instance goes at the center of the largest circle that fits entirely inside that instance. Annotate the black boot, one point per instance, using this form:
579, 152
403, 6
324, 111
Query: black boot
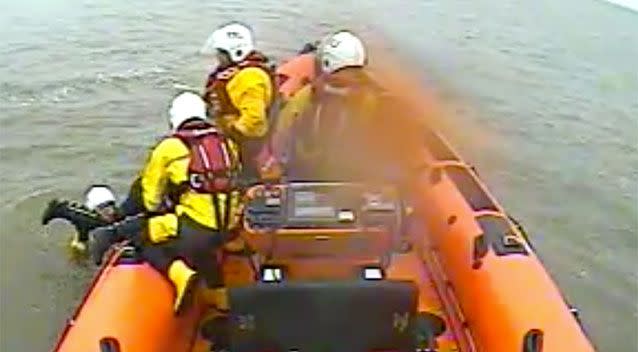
54, 210
216, 331
81, 217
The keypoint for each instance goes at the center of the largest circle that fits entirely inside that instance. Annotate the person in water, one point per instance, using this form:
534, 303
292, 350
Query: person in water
99, 209
199, 167
240, 91
318, 127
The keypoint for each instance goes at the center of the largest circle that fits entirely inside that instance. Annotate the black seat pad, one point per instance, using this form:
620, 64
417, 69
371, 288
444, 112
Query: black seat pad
353, 316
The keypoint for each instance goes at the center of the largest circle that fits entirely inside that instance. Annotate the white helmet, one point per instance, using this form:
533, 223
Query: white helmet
342, 49
98, 195
235, 39
184, 107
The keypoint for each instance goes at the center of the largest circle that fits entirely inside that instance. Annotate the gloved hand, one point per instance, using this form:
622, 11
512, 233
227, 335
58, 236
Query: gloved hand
309, 47
100, 240
130, 228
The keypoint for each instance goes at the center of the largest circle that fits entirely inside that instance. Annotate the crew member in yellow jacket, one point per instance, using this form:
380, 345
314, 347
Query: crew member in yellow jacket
198, 166
321, 128
240, 91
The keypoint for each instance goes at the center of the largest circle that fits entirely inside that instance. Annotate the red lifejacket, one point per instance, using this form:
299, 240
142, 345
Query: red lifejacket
214, 166
216, 95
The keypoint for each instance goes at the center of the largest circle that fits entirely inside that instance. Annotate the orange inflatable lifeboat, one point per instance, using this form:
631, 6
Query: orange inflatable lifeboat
335, 266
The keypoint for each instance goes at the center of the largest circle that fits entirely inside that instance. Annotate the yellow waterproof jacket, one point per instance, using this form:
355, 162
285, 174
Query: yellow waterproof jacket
167, 167
251, 92
300, 113
292, 111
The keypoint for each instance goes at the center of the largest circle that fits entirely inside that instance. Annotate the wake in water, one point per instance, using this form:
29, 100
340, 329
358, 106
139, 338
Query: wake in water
628, 4
70, 89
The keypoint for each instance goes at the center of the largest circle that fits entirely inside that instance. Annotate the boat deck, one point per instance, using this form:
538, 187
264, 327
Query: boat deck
404, 267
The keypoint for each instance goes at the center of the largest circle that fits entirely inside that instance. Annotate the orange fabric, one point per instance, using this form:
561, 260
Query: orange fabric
133, 303
508, 295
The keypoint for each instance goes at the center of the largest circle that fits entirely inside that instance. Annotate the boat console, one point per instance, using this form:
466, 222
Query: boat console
322, 220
